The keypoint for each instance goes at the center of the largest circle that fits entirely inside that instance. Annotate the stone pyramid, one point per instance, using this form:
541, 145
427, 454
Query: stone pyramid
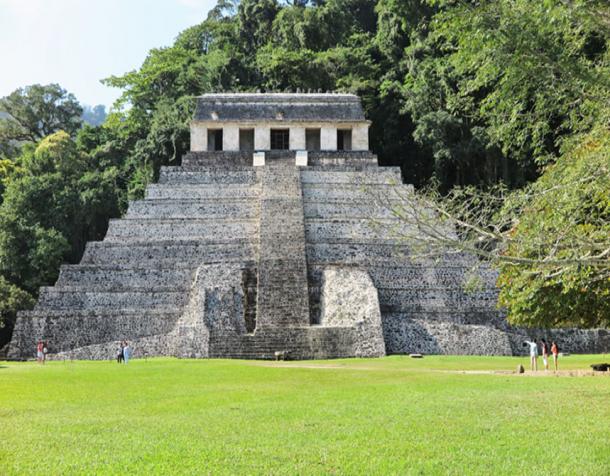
225, 259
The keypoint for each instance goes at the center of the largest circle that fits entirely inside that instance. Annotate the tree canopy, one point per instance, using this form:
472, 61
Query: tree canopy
34, 112
562, 237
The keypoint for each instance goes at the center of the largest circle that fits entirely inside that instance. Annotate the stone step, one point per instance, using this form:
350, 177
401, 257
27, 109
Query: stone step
70, 329
355, 192
409, 276
95, 313
424, 297
207, 175
178, 253
348, 210
167, 229
73, 297
377, 253
492, 317
354, 229
114, 279
299, 342
217, 167
405, 300
243, 208
218, 158
348, 154
378, 176
211, 191
117, 277
332, 162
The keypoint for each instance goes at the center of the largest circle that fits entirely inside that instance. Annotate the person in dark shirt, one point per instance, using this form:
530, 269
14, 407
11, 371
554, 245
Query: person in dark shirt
120, 356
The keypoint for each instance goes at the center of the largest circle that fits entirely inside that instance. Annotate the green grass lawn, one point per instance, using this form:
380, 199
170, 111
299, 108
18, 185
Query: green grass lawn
381, 416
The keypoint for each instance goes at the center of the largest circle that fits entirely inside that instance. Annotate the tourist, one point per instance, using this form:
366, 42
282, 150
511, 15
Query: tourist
39, 352
555, 352
119, 354
126, 352
45, 350
533, 354
545, 354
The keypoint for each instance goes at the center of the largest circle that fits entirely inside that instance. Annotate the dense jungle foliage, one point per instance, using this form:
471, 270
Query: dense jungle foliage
461, 92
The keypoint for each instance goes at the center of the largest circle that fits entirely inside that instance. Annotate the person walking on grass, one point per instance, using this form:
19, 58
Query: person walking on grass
533, 354
126, 352
39, 352
119, 354
555, 352
545, 354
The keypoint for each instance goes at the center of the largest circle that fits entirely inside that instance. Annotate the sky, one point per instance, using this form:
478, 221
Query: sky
76, 43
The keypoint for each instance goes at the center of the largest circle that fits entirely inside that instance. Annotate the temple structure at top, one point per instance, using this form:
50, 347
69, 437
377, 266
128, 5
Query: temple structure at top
279, 121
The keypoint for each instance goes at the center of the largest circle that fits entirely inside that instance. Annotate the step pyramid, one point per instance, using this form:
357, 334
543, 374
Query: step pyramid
224, 259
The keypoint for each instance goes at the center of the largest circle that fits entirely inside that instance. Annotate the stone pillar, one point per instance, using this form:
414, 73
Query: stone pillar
360, 137
230, 137
262, 138
328, 138
297, 138
199, 137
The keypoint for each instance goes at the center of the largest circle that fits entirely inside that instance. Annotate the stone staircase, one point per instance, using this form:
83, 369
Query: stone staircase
283, 298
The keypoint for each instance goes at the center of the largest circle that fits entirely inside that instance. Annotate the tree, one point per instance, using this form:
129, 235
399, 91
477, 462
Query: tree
287, 69
562, 235
497, 85
57, 202
34, 112
550, 240
254, 20
12, 300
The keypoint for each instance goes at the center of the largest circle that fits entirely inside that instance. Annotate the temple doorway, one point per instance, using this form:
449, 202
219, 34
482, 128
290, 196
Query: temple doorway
344, 139
280, 139
214, 139
312, 139
246, 139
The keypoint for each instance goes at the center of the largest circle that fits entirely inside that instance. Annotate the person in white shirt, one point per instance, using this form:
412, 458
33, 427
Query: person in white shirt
533, 354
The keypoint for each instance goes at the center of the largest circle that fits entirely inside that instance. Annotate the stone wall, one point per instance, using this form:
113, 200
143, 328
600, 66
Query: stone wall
348, 298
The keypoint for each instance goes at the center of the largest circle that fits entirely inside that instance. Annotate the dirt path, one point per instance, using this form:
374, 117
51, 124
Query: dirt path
540, 373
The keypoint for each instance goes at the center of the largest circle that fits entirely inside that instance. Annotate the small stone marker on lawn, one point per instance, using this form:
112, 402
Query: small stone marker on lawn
416, 356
